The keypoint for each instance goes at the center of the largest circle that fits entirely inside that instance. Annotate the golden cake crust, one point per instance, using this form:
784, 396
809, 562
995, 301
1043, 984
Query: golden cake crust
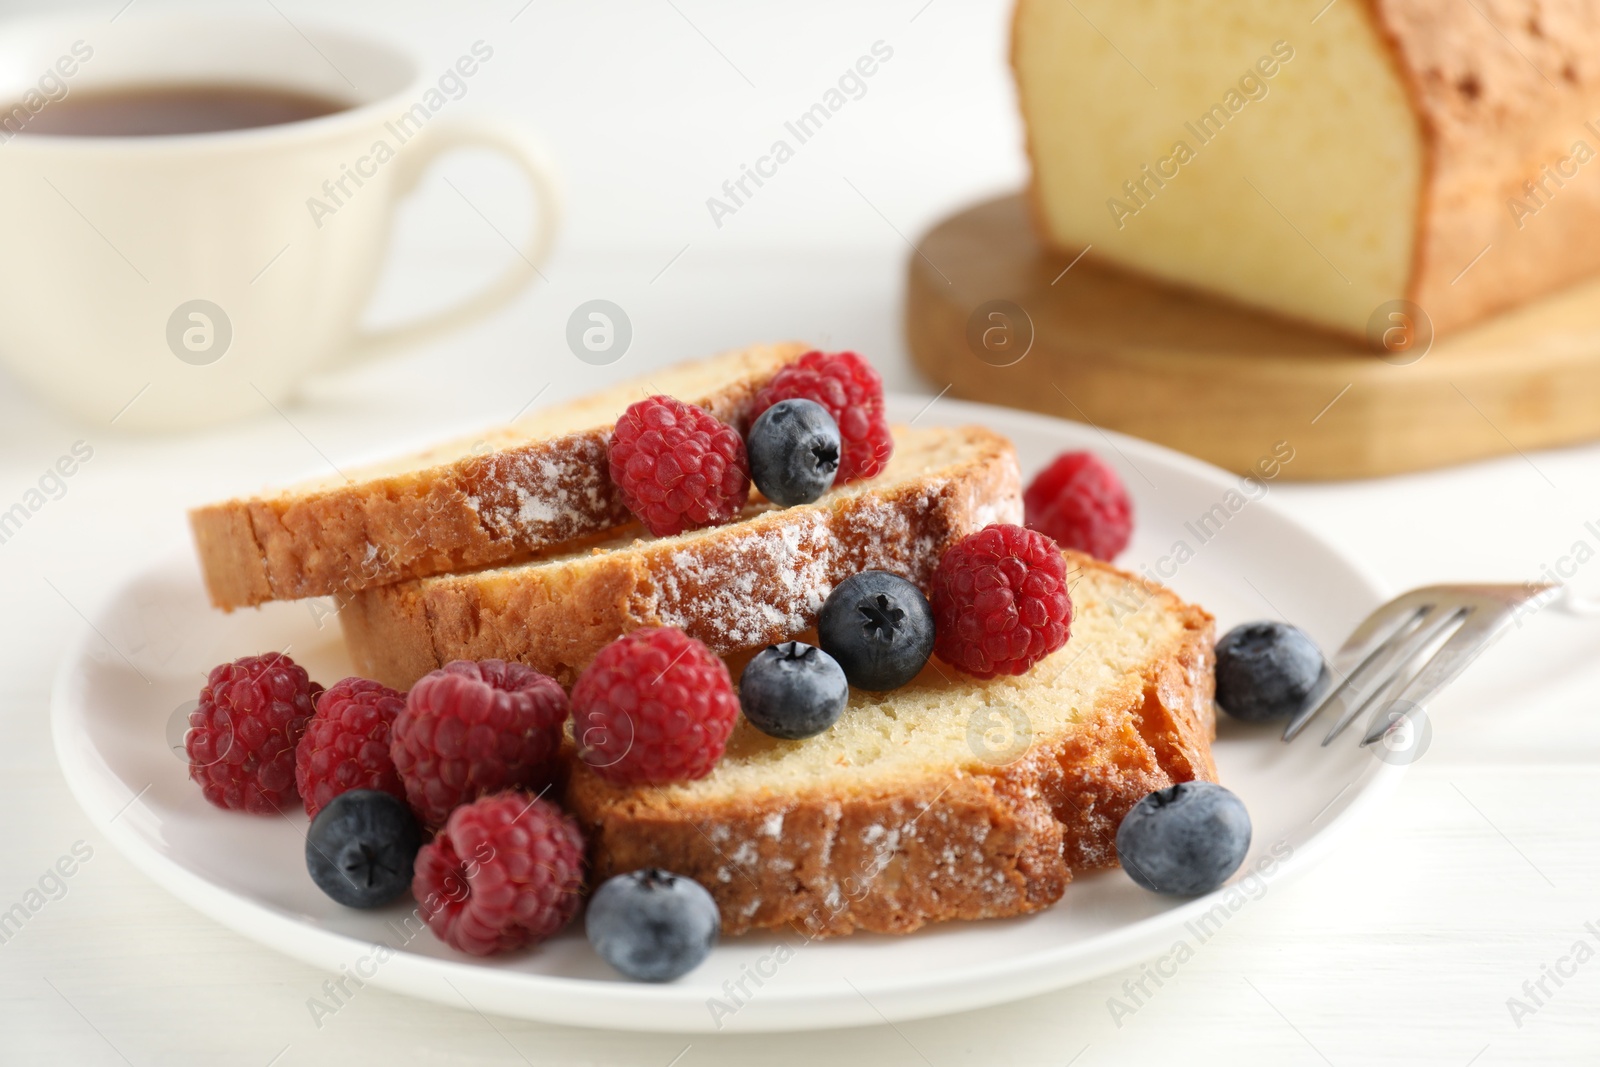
511, 494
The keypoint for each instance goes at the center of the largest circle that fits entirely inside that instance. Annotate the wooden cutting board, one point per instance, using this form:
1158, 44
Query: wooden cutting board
1001, 319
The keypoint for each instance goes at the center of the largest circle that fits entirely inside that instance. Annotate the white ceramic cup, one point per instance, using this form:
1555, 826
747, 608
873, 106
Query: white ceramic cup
175, 281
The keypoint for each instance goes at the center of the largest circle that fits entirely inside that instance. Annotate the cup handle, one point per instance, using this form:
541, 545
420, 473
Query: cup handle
523, 150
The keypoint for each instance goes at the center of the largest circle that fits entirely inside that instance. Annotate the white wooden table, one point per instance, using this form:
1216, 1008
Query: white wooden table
1405, 947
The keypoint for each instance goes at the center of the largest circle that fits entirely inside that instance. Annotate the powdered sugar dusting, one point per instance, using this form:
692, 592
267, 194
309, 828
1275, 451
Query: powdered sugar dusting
1004, 506
765, 583
765, 580
534, 496
1003, 511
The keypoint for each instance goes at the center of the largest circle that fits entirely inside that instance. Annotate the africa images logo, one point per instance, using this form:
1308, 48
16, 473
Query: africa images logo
450, 85
851, 85
199, 332
1142, 189
50, 87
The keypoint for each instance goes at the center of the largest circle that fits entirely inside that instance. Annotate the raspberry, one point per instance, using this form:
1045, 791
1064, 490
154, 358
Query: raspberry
469, 729
654, 706
1000, 601
852, 391
678, 467
346, 744
506, 871
1082, 504
242, 736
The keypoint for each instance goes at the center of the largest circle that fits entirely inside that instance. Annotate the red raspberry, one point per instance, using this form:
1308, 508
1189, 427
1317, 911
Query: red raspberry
506, 871
346, 744
678, 467
242, 736
655, 706
1000, 601
852, 391
469, 729
1082, 504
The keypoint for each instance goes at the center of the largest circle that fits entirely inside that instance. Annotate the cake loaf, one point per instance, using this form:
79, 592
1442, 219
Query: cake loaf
1320, 161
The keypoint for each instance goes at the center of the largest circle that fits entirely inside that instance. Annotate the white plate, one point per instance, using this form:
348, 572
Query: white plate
122, 696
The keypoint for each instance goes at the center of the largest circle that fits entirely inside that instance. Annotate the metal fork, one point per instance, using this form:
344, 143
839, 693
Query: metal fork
1408, 650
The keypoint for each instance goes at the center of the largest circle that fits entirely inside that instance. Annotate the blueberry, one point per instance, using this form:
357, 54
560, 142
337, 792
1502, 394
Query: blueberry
361, 847
879, 627
653, 925
1265, 670
1185, 840
793, 690
794, 452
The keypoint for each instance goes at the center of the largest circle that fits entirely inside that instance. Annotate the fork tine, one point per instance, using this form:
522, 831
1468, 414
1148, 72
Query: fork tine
1355, 656
1400, 654
1410, 632
1481, 630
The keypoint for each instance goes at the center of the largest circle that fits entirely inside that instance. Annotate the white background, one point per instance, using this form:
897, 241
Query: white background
1401, 949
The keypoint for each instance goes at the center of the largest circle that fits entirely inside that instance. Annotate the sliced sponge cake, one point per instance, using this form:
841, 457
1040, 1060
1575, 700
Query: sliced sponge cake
949, 798
480, 501
752, 582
